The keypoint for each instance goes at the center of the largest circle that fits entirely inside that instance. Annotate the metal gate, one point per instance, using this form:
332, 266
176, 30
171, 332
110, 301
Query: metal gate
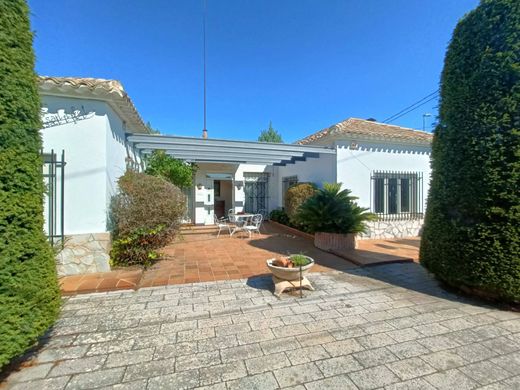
256, 190
54, 206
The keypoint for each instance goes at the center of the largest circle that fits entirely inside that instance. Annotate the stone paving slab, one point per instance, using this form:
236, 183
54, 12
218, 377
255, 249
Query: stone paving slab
387, 327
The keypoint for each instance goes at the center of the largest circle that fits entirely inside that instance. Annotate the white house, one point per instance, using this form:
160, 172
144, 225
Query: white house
96, 125
88, 120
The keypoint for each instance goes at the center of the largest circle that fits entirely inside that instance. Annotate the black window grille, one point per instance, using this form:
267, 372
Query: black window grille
256, 188
54, 206
397, 195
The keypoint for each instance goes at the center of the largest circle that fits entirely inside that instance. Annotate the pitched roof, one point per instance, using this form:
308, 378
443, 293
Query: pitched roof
366, 129
111, 91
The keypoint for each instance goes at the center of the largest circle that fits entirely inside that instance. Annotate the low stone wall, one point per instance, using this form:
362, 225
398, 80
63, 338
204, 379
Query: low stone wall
84, 254
393, 229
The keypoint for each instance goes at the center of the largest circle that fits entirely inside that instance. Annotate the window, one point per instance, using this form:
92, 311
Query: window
397, 195
256, 190
287, 182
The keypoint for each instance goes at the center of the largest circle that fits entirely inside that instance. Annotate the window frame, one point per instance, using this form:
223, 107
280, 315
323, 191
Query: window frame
401, 197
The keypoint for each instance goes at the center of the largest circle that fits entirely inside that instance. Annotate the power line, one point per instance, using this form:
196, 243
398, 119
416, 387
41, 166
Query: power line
413, 106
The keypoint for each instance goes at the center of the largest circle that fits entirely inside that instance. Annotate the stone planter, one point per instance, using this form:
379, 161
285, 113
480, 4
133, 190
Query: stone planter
289, 274
334, 241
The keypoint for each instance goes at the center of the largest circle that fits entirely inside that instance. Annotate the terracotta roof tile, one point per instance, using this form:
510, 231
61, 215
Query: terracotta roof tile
355, 127
110, 90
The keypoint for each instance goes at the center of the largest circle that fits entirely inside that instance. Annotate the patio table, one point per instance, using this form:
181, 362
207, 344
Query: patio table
240, 226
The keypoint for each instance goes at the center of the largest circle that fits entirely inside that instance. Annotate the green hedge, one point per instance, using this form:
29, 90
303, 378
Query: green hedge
29, 294
471, 236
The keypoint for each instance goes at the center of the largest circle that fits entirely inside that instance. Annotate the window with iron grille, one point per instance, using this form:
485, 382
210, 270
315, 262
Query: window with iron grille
397, 195
287, 182
256, 188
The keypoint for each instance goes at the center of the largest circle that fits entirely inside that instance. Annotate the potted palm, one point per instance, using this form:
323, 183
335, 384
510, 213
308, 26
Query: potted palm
334, 217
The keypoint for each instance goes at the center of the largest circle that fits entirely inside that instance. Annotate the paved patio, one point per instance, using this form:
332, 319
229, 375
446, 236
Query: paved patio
387, 327
199, 256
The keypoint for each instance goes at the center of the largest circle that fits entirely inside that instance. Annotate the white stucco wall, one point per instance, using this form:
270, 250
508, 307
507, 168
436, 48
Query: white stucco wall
354, 167
314, 170
95, 153
204, 197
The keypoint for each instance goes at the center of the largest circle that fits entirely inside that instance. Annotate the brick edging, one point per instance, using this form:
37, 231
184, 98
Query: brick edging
293, 230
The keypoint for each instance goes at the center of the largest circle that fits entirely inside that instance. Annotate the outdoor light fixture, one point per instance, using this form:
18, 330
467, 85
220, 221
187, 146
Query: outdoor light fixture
354, 145
199, 186
239, 185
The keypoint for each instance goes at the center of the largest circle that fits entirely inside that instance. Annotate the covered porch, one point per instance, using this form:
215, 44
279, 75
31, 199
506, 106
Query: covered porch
243, 176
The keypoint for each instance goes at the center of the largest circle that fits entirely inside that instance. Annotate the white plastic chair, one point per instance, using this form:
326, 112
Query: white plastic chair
254, 226
221, 225
231, 216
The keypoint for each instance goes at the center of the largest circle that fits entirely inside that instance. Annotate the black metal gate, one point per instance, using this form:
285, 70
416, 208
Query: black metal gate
54, 206
256, 190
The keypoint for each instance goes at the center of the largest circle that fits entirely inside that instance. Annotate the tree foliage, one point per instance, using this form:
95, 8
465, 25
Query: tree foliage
177, 172
151, 129
332, 210
29, 294
471, 236
270, 135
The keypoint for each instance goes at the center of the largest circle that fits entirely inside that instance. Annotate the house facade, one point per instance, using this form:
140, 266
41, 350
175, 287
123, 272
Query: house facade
95, 124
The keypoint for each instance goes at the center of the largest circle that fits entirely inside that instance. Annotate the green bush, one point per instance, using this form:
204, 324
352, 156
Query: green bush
332, 210
138, 247
279, 216
145, 215
296, 195
177, 172
29, 294
471, 236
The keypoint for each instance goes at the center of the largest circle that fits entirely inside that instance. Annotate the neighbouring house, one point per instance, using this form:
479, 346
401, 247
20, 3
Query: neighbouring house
94, 123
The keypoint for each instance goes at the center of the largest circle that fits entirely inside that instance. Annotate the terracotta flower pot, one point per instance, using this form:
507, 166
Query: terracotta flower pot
289, 273
331, 241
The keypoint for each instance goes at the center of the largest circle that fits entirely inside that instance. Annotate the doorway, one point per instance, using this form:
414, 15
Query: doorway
223, 197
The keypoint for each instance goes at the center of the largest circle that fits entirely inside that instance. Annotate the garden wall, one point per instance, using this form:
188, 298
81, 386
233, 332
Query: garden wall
393, 229
83, 254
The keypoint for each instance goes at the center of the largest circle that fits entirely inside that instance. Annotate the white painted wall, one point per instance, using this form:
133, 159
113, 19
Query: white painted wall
204, 197
354, 167
314, 170
95, 153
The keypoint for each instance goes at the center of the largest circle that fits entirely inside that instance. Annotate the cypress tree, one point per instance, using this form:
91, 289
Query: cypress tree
471, 236
29, 294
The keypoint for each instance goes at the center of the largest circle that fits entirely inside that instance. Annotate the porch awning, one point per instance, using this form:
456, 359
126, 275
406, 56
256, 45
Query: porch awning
226, 151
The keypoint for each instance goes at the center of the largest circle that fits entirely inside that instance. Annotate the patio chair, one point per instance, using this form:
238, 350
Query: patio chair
254, 226
221, 225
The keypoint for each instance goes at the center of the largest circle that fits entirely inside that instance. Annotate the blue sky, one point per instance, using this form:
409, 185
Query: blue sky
304, 64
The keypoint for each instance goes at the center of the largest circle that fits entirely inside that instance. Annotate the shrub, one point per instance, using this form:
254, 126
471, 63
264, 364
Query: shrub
333, 210
138, 247
177, 172
471, 235
279, 216
145, 215
296, 195
29, 294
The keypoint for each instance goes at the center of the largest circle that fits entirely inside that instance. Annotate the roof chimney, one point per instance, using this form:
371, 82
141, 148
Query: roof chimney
205, 134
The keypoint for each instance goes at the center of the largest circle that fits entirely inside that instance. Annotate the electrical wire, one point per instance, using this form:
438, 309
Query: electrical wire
412, 107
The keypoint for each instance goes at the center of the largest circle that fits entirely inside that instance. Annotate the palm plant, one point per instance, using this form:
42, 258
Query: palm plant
332, 210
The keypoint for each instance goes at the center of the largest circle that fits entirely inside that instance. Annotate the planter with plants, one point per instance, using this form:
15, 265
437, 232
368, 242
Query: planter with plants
334, 217
289, 272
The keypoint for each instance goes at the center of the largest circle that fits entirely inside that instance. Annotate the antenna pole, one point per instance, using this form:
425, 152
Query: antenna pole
204, 130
